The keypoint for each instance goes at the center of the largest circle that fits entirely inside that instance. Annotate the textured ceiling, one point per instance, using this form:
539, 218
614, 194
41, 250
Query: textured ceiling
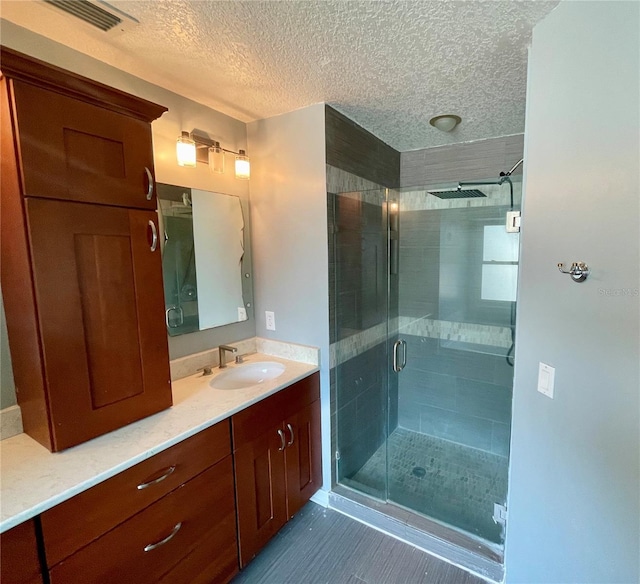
388, 65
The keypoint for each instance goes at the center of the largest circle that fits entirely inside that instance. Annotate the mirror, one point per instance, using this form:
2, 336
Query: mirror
202, 259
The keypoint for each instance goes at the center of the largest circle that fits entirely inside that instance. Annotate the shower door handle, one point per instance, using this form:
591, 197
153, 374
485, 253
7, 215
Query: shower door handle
399, 365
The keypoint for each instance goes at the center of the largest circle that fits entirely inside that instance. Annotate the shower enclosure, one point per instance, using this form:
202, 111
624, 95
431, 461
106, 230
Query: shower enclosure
422, 334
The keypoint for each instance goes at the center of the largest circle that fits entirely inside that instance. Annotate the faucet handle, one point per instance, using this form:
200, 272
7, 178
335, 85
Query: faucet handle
207, 370
241, 358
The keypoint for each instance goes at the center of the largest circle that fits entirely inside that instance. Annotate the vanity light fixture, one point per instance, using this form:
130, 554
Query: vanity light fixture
186, 150
446, 122
192, 148
216, 158
243, 167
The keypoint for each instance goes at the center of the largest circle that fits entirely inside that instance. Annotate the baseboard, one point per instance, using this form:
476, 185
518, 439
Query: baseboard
321, 498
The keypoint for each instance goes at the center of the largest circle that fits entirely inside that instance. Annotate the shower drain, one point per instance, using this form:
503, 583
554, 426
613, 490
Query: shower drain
419, 471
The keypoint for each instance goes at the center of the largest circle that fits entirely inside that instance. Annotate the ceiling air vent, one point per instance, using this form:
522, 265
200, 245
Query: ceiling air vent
96, 13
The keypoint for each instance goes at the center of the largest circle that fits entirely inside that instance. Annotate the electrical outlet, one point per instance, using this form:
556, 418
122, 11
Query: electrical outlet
270, 318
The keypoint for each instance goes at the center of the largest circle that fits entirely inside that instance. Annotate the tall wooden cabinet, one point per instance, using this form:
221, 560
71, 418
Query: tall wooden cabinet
81, 267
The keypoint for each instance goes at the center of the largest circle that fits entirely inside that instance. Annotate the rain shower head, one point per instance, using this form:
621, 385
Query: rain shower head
459, 193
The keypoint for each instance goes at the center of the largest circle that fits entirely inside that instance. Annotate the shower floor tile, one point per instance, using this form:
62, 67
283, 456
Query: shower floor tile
443, 480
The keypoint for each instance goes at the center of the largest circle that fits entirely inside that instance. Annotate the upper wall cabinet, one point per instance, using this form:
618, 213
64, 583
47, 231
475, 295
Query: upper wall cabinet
80, 254
82, 152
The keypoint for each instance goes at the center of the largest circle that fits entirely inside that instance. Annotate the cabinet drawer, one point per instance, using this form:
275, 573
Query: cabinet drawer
80, 520
19, 562
150, 544
249, 424
77, 151
214, 560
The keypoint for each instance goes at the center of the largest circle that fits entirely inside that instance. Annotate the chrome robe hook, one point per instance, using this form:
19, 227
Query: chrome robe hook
579, 271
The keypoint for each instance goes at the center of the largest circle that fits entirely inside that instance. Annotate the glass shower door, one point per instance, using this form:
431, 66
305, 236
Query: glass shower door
359, 267
427, 281
448, 455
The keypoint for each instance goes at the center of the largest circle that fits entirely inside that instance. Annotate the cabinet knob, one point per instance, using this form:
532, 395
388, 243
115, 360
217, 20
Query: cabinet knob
149, 183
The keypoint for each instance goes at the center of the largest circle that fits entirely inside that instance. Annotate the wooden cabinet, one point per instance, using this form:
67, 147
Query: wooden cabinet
277, 449
79, 151
19, 561
169, 519
81, 266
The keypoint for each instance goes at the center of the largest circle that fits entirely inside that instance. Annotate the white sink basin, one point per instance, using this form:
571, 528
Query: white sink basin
247, 375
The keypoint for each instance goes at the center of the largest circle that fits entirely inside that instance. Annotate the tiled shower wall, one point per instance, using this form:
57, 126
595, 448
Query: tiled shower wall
360, 166
445, 391
457, 384
457, 395
459, 162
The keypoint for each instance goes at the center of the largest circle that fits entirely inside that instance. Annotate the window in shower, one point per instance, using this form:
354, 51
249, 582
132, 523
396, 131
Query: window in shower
499, 264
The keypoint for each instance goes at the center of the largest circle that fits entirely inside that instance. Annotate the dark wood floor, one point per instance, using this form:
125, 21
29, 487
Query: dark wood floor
322, 546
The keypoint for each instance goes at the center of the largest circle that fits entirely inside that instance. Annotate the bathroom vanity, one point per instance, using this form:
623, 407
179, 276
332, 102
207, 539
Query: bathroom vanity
159, 500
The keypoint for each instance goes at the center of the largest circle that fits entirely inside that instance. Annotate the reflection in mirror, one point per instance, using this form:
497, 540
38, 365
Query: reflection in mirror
202, 258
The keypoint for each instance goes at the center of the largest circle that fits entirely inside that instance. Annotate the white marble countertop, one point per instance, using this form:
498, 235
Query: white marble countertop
34, 479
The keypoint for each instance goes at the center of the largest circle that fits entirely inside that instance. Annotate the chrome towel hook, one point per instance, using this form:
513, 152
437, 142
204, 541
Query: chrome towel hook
579, 271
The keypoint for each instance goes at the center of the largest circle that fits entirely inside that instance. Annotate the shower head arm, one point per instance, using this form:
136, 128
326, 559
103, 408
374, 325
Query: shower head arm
473, 183
510, 172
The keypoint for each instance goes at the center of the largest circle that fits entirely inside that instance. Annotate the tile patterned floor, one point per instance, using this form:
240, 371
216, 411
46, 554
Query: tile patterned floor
322, 546
443, 480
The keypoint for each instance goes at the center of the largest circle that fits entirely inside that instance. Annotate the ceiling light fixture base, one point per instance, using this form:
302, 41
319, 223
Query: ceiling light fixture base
445, 122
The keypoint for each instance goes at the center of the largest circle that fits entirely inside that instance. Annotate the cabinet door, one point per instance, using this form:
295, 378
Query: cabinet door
78, 151
303, 457
100, 305
260, 491
19, 563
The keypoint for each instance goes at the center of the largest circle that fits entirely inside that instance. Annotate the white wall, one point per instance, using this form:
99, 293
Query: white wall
183, 114
574, 512
289, 220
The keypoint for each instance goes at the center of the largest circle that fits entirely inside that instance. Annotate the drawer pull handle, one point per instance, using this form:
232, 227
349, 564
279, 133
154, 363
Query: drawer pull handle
153, 546
282, 440
149, 183
167, 474
290, 428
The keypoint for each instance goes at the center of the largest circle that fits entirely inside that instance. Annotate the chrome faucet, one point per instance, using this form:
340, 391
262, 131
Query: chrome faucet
221, 354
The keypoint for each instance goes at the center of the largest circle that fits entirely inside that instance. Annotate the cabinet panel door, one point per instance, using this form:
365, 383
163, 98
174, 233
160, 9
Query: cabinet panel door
77, 151
303, 457
19, 563
100, 305
260, 492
